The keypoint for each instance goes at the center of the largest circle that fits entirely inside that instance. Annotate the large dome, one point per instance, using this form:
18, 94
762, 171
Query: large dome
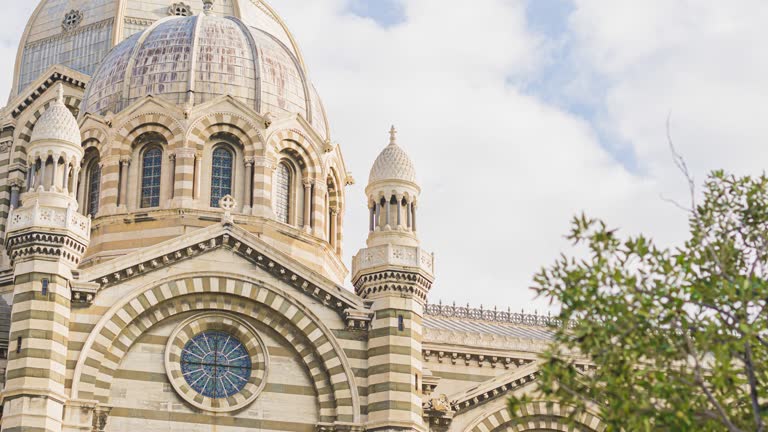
191, 60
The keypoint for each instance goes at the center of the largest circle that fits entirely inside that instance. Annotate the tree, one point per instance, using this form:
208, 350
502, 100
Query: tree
676, 339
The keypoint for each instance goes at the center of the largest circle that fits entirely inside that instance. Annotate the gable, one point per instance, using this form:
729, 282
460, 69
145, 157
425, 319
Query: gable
243, 252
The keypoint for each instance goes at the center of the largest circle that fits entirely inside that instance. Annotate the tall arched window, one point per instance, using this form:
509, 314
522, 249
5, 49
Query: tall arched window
221, 175
283, 192
151, 170
94, 188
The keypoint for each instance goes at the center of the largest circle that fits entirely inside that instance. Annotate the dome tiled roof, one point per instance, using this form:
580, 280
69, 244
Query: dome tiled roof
393, 163
194, 59
57, 123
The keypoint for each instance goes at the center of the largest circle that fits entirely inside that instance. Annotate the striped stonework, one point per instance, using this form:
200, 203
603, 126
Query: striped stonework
34, 390
184, 174
538, 416
394, 366
119, 328
163, 124
246, 131
263, 170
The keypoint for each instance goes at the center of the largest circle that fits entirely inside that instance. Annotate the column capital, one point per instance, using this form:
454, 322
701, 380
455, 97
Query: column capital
16, 183
183, 153
125, 159
307, 182
249, 160
109, 160
264, 161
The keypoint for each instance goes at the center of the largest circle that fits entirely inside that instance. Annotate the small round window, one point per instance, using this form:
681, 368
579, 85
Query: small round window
180, 9
216, 364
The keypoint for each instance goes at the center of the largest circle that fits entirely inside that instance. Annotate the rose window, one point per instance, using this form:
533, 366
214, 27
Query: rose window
215, 364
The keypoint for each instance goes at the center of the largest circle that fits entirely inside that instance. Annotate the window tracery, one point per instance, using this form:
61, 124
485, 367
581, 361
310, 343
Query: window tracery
94, 188
151, 174
71, 20
221, 174
180, 9
283, 182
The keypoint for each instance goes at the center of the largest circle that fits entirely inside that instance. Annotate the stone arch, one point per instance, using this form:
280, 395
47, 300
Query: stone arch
161, 123
97, 134
113, 336
537, 416
94, 137
235, 124
292, 140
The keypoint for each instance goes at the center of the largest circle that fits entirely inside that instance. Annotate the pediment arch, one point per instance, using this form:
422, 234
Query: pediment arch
147, 305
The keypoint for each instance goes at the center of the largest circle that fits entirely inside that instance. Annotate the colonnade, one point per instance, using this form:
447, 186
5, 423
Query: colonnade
52, 174
393, 212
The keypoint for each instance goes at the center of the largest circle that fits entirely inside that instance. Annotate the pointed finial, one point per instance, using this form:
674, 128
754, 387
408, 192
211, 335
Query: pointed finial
393, 136
60, 93
207, 6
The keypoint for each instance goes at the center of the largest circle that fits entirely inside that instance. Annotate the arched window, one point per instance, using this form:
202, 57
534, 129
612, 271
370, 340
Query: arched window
151, 166
283, 179
94, 188
221, 175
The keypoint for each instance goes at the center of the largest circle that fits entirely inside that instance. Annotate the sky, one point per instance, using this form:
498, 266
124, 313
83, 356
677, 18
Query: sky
519, 114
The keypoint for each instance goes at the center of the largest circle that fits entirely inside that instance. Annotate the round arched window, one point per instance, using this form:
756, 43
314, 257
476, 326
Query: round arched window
216, 364
221, 175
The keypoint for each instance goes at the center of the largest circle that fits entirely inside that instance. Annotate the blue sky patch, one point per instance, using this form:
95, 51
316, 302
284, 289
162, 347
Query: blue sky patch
386, 13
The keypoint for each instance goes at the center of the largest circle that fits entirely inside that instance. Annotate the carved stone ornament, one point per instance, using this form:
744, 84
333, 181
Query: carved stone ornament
71, 20
180, 9
5, 146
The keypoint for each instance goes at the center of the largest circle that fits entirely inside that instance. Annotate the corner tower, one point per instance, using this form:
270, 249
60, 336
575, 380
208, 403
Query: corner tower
46, 238
395, 274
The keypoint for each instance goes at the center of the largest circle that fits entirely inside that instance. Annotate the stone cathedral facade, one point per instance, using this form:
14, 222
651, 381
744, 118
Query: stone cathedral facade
172, 207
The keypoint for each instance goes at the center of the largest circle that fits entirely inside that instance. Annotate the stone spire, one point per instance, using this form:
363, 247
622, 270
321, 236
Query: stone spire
395, 275
45, 239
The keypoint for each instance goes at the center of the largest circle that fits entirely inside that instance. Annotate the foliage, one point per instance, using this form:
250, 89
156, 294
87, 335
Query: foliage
677, 339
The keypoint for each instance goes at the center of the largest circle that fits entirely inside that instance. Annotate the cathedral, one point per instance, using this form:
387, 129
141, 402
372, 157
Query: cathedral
172, 207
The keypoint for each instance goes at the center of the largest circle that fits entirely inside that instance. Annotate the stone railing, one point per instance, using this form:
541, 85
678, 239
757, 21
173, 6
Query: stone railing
49, 217
406, 256
493, 315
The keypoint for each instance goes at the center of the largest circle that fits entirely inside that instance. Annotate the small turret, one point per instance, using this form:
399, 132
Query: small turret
45, 239
395, 274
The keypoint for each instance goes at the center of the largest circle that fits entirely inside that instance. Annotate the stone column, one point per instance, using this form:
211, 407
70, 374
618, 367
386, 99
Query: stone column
408, 216
332, 229
307, 205
75, 181
65, 178
339, 231
263, 169
125, 164
399, 211
248, 185
389, 213
81, 189
372, 212
16, 186
318, 209
413, 218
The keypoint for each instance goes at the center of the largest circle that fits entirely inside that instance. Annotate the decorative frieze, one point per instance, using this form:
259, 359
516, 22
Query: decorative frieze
473, 358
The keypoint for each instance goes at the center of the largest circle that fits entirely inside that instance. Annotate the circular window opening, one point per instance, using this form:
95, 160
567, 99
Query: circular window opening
216, 364
180, 9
